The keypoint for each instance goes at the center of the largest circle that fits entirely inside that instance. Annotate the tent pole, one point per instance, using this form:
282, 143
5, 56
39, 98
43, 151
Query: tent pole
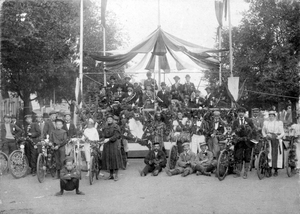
159, 74
220, 66
104, 54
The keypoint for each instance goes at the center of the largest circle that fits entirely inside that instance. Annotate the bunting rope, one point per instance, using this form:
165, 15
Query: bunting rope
275, 95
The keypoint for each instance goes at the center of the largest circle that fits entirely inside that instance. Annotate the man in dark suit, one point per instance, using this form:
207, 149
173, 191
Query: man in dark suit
16, 122
150, 82
126, 84
177, 89
242, 127
112, 85
209, 98
130, 96
33, 132
155, 161
164, 96
217, 128
69, 125
9, 132
49, 124
188, 87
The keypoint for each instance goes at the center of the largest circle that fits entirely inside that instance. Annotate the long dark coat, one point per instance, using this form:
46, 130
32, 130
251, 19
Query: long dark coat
111, 158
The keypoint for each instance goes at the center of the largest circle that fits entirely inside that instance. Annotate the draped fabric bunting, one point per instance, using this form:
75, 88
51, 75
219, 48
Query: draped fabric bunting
162, 44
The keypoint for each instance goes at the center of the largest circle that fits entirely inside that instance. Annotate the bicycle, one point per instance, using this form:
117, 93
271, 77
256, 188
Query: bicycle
291, 160
45, 161
263, 161
17, 161
94, 162
3, 163
76, 152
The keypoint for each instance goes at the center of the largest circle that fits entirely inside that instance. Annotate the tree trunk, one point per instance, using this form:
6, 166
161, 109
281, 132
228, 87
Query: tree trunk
27, 106
294, 110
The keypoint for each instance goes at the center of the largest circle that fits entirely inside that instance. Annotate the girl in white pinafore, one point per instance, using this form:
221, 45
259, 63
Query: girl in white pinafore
295, 128
273, 130
89, 134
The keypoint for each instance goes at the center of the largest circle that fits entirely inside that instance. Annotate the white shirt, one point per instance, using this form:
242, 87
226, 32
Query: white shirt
91, 134
275, 127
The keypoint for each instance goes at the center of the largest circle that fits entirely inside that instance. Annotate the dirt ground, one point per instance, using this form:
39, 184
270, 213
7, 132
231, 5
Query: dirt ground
163, 194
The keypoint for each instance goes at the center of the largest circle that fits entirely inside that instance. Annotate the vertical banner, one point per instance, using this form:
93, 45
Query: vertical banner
103, 10
219, 11
233, 87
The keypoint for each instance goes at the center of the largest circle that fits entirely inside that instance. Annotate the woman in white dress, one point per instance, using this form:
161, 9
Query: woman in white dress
274, 132
295, 131
89, 134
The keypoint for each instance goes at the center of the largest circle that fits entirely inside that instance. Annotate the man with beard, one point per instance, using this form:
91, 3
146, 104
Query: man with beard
130, 96
243, 128
155, 161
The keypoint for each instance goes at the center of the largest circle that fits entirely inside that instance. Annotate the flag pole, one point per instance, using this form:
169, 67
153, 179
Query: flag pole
104, 54
81, 47
230, 39
220, 65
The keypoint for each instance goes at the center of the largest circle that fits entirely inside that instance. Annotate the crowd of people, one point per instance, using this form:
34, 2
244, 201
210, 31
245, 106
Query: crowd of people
178, 115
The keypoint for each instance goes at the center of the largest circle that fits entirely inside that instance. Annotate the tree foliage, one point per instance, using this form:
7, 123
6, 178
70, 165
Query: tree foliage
266, 52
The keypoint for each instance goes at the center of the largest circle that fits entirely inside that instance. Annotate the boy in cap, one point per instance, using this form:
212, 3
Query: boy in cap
33, 132
49, 124
8, 133
204, 163
59, 139
184, 163
150, 82
69, 177
177, 89
155, 161
69, 125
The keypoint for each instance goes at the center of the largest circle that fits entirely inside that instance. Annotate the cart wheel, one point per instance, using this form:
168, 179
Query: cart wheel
290, 163
173, 156
3, 163
262, 165
40, 171
18, 164
222, 165
252, 161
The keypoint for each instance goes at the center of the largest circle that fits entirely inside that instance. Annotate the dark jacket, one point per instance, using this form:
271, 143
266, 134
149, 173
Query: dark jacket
188, 88
220, 129
165, 97
65, 174
48, 128
71, 132
15, 131
58, 137
159, 159
177, 92
34, 130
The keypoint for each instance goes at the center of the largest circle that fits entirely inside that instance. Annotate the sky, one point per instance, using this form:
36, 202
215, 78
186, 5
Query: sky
192, 20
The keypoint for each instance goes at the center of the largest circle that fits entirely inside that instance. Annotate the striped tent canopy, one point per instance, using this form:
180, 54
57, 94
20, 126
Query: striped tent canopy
167, 47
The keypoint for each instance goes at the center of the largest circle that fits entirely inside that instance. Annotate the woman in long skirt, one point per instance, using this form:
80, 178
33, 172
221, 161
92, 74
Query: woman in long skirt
111, 158
274, 132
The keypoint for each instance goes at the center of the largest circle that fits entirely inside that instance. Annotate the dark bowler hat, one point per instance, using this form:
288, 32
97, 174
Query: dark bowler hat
28, 116
7, 116
59, 120
127, 77
241, 109
112, 78
149, 73
109, 116
163, 84
156, 143
52, 112
176, 77
187, 76
208, 88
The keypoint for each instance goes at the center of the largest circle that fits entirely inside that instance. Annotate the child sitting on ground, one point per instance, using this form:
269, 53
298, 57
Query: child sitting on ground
69, 177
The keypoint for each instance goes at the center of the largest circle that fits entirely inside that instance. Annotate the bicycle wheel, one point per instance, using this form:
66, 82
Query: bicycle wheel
3, 163
52, 166
18, 164
222, 165
78, 160
92, 172
290, 164
262, 165
252, 161
173, 156
41, 168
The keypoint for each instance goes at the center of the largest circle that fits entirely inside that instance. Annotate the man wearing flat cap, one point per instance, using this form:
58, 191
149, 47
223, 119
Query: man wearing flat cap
188, 87
155, 161
126, 84
177, 89
150, 82
33, 132
164, 96
204, 163
49, 124
184, 163
8, 133
243, 128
